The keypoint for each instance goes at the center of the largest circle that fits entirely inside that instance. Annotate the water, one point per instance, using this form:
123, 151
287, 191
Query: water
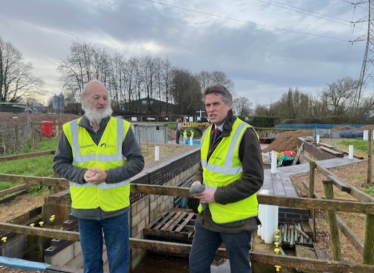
170, 264
194, 142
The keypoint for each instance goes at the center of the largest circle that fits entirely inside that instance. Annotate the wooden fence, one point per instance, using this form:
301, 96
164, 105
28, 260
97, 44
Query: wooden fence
366, 248
18, 135
285, 261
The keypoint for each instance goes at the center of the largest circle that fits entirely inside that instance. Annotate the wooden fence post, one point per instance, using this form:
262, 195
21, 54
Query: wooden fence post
368, 256
370, 157
16, 136
57, 129
312, 170
333, 223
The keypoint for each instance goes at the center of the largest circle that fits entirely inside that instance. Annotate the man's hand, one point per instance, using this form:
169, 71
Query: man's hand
207, 196
95, 175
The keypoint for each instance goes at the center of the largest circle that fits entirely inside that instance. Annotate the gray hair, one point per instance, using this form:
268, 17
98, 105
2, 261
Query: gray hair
219, 89
85, 88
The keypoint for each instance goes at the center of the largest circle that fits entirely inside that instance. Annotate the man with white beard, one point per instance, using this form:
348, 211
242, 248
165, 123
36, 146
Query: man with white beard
99, 154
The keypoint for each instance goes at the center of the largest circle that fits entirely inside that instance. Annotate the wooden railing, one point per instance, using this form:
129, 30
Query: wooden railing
366, 248
286, 261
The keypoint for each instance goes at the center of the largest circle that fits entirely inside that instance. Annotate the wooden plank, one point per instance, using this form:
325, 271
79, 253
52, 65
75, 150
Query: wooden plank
42, 232
34, 180
306, 229
185, 222
368, 255
309, 264
333, 152
28, 155
298, 154
340, 184
359, 195
351, 236
14, 189
172, 221
334, 229
290, 202
326, 145
164, 219
156, 221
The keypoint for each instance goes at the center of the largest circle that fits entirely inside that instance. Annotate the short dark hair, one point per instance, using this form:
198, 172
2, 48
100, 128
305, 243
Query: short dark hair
219, 89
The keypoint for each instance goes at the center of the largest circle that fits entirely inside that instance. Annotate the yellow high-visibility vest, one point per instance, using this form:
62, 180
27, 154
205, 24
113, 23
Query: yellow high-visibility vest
106, 155
223, 168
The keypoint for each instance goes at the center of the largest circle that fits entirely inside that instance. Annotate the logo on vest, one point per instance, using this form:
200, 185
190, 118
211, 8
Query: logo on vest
216, 157
86, 146
107, 146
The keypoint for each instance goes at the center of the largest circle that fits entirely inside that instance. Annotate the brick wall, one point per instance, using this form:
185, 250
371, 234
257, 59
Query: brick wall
292, 215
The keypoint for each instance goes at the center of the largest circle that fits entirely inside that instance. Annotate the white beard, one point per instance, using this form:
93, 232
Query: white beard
95, 116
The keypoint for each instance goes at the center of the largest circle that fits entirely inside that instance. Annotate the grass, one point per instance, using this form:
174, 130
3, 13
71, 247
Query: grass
35, 166
360, 146
370, 190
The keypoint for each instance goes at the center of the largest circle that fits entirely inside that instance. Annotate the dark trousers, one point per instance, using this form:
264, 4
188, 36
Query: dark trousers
206, 243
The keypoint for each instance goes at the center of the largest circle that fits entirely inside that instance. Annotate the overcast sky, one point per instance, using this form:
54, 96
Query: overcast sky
265, 47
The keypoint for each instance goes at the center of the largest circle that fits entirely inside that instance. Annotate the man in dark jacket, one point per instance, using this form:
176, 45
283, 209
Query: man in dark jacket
99, 154
232, 173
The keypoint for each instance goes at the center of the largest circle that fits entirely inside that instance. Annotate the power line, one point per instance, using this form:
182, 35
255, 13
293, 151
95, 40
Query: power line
356, 4
304, 11
247, 22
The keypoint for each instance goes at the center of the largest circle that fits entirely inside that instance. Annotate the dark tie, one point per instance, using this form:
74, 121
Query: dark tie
216, 133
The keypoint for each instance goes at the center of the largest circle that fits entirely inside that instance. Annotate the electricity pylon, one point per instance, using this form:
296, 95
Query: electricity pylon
365, 75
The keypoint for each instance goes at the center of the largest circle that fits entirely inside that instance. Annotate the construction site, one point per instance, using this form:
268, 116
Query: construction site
314, 231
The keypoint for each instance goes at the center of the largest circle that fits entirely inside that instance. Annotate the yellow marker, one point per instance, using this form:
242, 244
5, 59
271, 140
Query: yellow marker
276, 250
52, 219
4, 239
276, 238
277, 268
41, 223
32, 225
276, 244
277, 231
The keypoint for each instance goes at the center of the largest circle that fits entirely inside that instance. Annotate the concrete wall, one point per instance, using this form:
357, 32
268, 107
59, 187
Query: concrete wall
150, 133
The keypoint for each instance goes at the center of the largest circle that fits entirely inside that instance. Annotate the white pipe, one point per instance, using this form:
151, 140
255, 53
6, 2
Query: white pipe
261, 214
317, 139
157, 153
273, 162
350, 156
191, 141
366, 135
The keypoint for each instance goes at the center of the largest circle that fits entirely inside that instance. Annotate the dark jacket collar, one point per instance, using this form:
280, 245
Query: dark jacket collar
227, 126
84, 122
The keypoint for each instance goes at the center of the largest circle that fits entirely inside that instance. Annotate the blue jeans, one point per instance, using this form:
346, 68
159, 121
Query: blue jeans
116, 233
205, 244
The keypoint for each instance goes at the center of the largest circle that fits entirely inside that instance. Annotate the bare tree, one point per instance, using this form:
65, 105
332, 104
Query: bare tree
84, 64
16, 79
340, 95
207, 78
242, 107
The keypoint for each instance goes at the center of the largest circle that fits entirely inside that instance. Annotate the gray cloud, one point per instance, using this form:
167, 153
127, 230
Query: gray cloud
248, 40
